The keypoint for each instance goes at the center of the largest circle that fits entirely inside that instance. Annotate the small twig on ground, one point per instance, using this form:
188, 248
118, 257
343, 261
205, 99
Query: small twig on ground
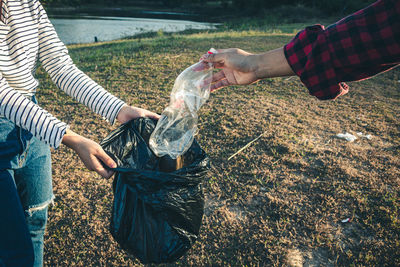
247, 145
273, 163
290, 78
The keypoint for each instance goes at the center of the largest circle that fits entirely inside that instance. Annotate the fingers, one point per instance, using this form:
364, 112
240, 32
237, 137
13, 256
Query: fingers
222, 79
128, 113
153, 115
98, 167
201, 66
219, 85
218, 76
218, 58
106, 159
102, 156
146, 113
149, 114
91, 154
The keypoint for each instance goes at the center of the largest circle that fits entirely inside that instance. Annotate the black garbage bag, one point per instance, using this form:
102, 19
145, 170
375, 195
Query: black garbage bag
158, 202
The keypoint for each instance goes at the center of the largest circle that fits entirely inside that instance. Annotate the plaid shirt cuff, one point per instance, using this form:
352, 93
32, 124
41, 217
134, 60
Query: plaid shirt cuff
309, 57
354, 48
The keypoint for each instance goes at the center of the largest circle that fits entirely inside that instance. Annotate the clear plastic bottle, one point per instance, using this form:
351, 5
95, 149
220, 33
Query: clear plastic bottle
175, 130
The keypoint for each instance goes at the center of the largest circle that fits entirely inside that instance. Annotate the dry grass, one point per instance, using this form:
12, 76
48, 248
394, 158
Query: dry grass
280, 201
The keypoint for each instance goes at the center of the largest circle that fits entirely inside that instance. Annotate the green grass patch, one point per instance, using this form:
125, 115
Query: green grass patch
280, 200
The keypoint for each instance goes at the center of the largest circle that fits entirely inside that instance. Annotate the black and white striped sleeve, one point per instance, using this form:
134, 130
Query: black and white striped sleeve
27, 115
55, 59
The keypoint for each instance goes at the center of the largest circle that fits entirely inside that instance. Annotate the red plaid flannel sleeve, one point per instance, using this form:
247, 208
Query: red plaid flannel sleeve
354, 48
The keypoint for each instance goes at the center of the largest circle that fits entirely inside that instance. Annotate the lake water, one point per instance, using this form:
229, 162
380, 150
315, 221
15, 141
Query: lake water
85, 29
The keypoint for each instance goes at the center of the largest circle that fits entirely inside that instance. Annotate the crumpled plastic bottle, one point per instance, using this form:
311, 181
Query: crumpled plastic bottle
177, 126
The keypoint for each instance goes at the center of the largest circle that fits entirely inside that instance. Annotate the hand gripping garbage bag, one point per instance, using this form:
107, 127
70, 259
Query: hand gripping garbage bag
177, 126
158, 202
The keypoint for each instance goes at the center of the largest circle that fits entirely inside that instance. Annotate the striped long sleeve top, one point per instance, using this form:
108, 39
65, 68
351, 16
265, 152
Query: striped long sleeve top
26, 36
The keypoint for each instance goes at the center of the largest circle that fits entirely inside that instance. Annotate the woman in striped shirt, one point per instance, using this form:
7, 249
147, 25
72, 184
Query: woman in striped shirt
27, 131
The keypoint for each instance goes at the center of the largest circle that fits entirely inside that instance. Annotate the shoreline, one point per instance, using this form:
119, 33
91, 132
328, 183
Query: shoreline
140, 12
271, 21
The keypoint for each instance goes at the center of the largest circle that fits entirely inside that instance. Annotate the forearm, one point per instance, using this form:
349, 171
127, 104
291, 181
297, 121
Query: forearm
71, 139
272, 64
29, 116
56, 61
82, 88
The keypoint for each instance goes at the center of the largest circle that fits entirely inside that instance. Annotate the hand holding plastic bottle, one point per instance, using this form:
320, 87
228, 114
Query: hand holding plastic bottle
177, 126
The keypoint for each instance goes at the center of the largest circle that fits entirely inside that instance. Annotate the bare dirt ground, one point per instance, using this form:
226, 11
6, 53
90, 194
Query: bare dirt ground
281, 201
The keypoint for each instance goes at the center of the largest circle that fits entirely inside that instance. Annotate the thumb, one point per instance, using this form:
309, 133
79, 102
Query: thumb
106, 159
215, 58
152, 115
99, 168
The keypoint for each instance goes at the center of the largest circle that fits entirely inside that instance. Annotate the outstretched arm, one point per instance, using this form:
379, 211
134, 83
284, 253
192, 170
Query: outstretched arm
239, 67
56, 61
354, 48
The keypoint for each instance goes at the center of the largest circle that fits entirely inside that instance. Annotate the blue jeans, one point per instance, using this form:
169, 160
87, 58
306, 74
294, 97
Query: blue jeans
25, 192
